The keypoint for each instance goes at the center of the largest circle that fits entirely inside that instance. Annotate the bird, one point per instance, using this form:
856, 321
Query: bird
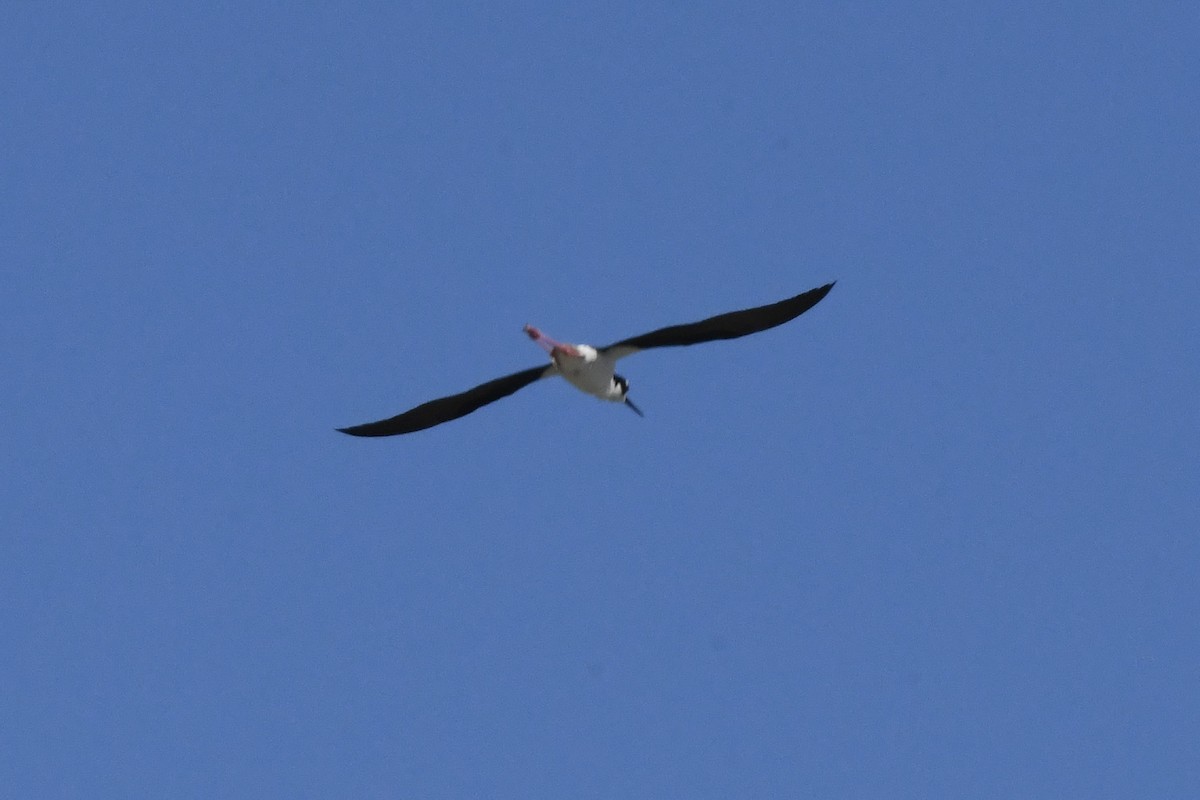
592, 370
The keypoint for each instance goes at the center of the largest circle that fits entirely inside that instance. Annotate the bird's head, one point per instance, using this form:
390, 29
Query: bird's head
621, 392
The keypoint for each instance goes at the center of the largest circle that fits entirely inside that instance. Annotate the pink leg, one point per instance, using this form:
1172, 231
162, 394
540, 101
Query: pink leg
548, 344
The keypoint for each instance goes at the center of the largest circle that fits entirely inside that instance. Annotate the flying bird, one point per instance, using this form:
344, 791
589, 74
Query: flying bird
592, 369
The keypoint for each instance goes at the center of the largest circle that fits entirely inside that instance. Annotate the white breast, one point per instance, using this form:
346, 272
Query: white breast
588, 372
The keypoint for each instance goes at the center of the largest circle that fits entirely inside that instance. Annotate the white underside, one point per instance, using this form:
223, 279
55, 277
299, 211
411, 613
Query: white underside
590, 372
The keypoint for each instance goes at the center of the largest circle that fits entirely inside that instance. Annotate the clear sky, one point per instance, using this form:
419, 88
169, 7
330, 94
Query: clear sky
935, 538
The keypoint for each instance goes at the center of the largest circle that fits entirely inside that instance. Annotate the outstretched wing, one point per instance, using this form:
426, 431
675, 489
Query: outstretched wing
444, 409
723, 326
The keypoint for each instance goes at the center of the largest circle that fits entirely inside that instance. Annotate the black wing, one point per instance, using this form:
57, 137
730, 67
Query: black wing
444, 409
722, 326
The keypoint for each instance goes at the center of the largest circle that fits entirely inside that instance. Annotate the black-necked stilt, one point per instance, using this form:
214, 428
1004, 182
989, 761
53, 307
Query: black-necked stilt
591, 369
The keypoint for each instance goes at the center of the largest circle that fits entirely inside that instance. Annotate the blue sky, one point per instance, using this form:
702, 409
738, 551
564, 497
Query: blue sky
936, 538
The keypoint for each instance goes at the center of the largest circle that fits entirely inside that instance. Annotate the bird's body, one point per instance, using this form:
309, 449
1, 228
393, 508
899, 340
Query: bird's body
589, 372
592, 369
586, 368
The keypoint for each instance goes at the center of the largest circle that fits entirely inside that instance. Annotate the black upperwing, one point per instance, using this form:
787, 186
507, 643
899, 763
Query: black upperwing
723, 326
444, 409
